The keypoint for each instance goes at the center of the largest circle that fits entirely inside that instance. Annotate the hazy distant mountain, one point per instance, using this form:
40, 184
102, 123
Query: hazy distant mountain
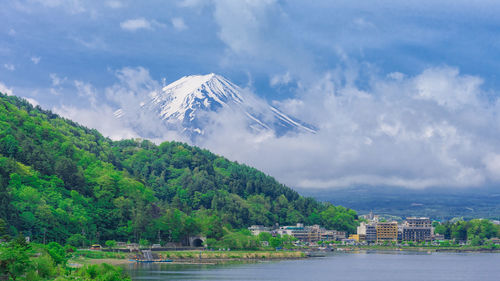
437, 203
186, 105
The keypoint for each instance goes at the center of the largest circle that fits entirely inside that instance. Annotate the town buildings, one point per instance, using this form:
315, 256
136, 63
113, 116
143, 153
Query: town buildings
310, 234
412, 229
373, 231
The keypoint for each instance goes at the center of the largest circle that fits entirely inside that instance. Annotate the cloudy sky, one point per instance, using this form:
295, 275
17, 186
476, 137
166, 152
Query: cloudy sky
404, 93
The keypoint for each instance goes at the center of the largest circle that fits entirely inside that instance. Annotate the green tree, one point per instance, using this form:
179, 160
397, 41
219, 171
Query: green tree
275, 242
15, 258
57, 253
440, 229
265, 236
476, 241
111, 244
9, 146
43, 267
77, 240
4, 235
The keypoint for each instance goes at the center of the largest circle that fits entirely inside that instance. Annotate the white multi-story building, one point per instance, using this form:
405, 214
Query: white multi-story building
258, 229
367, 232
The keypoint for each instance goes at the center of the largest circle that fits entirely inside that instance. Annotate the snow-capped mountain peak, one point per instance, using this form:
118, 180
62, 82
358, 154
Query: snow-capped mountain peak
194, 92
183, 104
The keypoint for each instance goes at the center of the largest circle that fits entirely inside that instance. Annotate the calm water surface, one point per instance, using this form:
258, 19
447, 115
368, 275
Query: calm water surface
371, 266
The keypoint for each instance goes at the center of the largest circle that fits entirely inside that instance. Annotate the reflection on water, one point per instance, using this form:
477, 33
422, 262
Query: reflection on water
359, 265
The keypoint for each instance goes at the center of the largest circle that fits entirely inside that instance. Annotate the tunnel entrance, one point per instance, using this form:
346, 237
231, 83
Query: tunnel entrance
197, 243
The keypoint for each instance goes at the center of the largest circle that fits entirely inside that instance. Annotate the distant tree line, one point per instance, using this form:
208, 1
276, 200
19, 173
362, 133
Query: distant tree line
476, 230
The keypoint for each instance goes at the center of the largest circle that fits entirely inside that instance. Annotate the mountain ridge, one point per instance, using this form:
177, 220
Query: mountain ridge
61, 181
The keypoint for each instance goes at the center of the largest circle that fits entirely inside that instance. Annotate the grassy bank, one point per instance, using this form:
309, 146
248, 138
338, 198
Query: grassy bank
85, 257
90, 254
88, 257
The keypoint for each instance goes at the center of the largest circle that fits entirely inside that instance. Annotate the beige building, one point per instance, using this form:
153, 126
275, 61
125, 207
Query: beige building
387, 231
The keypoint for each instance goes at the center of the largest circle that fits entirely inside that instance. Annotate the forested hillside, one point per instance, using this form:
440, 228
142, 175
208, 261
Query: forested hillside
60, 181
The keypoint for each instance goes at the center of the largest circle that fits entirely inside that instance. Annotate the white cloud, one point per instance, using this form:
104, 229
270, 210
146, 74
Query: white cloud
9, 66
100, 118
35, 59
56, 80
281, 79
118, 111
12, 32
447, 88
5, 90
135, 24
100, 112
261, 34
90, 43
362, 24
71, 6
396, 75
114, 4
492, 164
86, 90
32, 101
386, 135
242, 23
178, 24
193, 3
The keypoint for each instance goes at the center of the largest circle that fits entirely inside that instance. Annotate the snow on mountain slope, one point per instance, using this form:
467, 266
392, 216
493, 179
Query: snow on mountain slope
185, 103
184, 97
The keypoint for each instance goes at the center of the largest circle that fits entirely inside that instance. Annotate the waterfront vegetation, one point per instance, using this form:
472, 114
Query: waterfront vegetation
20, 260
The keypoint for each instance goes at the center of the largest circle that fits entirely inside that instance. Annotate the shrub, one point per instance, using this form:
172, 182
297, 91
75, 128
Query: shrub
102, 272
45, 266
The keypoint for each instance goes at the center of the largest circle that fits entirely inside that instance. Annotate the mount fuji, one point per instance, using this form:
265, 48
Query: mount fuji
188, 106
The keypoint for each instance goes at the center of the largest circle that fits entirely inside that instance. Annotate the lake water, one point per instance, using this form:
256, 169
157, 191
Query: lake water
367, 265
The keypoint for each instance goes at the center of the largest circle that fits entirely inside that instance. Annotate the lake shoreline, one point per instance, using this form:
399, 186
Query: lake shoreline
418, 249
217, 257
85, 257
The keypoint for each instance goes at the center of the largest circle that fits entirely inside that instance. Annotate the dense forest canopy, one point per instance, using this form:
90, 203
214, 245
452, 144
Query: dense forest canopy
60, 181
